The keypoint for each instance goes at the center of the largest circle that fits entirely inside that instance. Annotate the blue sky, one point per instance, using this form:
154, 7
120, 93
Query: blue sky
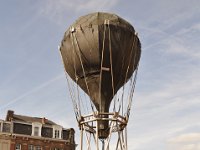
166, 108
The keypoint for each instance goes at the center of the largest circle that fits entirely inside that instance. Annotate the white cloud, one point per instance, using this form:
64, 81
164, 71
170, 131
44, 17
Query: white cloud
186, 138
56, 10
189, 141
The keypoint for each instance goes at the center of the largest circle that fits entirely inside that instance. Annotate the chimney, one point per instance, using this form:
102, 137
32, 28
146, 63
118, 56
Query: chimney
10, 115
44, 120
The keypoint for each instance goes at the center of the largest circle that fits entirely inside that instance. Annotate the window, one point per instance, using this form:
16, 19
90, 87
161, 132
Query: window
6, 127
57, 131
57, 134
36, 131
18, 146
38, 148
30, 147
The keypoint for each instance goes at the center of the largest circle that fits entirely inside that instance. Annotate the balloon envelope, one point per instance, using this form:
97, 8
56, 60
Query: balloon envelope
100, 52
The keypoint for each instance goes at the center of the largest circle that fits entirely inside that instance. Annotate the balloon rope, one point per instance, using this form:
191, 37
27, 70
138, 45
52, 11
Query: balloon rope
76, 78
70, 91
102, 58
125, 80
130, 99
131, 93
76, 109
111, 64
89, 45
133, 86
84, 74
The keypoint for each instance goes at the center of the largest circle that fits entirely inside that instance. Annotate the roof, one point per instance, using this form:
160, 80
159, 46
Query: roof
27, 119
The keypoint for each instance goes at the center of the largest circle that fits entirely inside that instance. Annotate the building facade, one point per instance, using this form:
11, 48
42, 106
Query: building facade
19, 132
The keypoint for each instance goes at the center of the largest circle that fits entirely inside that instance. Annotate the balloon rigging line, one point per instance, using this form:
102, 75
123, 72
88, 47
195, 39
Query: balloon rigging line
87, 140
134, 80
73, 100
84, 74
90, 58
131, 94
133, 86
126, 138
102, 59
76, 77
111, 65
70, 91
125, 80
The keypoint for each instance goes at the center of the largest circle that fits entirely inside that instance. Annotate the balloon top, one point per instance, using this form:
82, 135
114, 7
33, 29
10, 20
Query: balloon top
99, 18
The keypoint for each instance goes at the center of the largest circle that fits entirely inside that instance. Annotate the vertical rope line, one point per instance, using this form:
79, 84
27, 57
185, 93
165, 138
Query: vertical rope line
111, 65
75, 102
84, 74
76, 78
78, 95
117, 144
125, 80
120, 140
73, 99
102, 58
132, 91
133, 87
70, 91
126, 137
110, 134
87, 140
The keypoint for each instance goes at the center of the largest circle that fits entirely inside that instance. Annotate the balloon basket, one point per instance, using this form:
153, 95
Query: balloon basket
99, 139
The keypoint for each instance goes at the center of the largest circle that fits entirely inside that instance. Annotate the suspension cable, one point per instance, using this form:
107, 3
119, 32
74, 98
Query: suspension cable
84, 74
102, 58
131, 93
111, 62
76, 78
77, 115
125, 80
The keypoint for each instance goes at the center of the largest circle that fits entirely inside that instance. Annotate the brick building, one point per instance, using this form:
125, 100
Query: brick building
19, 132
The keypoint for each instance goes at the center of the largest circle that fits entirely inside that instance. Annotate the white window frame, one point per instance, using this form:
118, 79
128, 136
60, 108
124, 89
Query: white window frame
57, 134
36, 131
55, 129
19, 146
36, 125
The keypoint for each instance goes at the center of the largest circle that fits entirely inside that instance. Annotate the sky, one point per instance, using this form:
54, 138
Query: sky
166, 107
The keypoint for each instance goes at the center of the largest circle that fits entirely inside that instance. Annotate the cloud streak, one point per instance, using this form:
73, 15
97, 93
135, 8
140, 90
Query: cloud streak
38, 88
56, 10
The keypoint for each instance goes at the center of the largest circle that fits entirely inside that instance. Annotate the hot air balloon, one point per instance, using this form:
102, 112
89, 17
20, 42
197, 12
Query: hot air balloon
100, 53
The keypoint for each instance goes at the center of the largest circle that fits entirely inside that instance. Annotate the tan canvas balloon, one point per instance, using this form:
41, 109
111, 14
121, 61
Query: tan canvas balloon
100, 52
